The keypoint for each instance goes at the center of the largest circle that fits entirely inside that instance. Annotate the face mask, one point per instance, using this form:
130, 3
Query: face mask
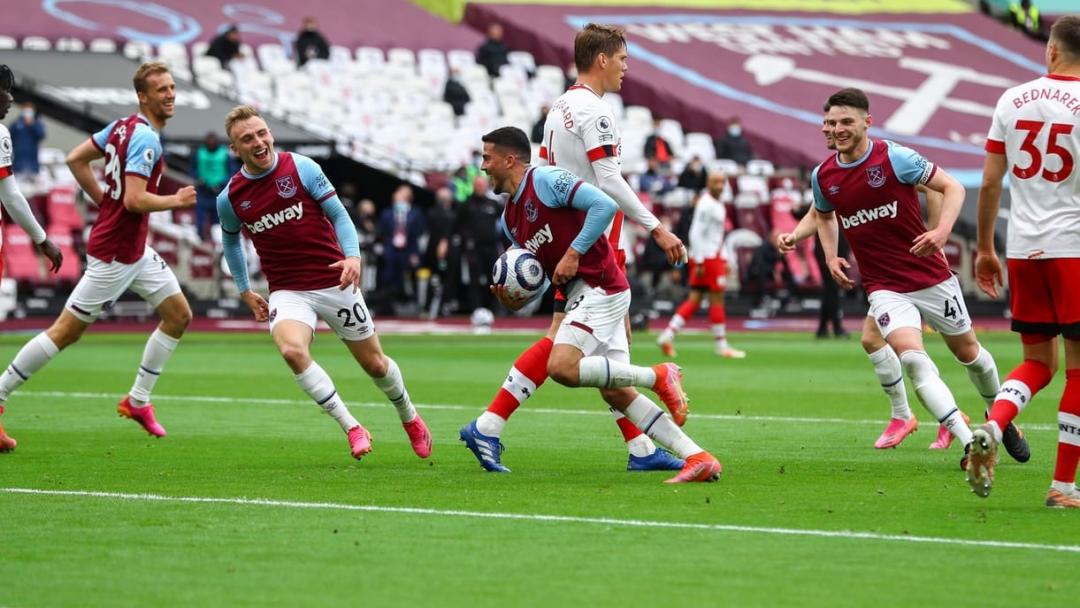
734, 130
401, 206
28, 113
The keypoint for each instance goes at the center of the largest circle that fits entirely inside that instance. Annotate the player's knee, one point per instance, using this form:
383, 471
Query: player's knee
179, 319
375, 365
296, 356
618, 398
561, 371
918, 366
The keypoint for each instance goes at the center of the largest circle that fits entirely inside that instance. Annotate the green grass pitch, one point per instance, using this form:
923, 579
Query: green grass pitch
806, 514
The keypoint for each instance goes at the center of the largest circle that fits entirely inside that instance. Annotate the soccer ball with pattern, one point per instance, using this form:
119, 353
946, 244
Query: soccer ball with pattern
520, 271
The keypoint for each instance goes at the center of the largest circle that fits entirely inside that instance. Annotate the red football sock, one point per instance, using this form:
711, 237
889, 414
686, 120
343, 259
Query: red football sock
716, 314
629, 429
532, 364
1068, 454
687, 309
1028, 378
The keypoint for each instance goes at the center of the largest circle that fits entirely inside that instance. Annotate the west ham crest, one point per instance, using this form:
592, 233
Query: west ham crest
530, 211
875, 176
285, 186
883, 320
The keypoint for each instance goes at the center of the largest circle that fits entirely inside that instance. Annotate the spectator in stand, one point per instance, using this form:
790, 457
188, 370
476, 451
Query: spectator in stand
537, 135
693, 176
443, 250
493, 53
733, 144
211, 173
226, 46
26, 134
478, 225
656, 147
462, 181
367, 232
1024, 16
310, 43
401, 226
455, 93
655, 181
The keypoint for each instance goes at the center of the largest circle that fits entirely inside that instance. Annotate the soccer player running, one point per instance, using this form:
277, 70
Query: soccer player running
580, 135
16, 207
310, 254
870, 185
708, 270
1035, 138
886, 364
561, 220
117, 257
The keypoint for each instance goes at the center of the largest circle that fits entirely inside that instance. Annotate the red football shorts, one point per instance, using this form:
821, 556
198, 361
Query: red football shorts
1044, 296
710, 274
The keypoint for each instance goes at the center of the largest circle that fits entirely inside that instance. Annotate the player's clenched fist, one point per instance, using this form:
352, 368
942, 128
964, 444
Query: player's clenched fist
257, 304
186, 196
785, 242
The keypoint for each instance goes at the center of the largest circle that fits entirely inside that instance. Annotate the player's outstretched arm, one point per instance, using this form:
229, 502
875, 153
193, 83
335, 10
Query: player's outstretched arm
931, 241
829, 233
987, 265
78, 161
17, 208
610, 179
806, 228
138, 200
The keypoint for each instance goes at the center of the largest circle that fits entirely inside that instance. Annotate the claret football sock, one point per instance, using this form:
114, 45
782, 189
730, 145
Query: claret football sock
30, 358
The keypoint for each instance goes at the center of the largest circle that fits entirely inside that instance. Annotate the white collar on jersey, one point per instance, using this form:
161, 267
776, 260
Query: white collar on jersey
856, 163
245, 173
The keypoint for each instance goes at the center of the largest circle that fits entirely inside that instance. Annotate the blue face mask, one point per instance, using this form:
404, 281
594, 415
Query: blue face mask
401, 206
734, 130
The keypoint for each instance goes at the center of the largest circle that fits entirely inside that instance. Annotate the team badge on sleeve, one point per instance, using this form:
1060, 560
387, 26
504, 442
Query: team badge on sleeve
285, 186
875, 176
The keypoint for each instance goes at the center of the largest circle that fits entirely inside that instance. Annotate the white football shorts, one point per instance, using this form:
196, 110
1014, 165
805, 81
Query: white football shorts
942, 306
343, 310
594, 322
104, 282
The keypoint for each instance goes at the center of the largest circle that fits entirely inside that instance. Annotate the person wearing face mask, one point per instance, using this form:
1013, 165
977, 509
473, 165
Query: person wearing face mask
211, 171
310, 43
733, 144
26, 134
400, 228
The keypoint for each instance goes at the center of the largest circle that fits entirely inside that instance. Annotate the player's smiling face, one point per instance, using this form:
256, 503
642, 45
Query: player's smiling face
159, 99
496, 163
827, 131
848, 127
5, 103
253, 143
614, 69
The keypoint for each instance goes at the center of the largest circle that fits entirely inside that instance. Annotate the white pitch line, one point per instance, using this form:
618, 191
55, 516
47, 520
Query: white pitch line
477, 408
606, 521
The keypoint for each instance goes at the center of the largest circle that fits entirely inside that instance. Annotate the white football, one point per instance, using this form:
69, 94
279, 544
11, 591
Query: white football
520, 271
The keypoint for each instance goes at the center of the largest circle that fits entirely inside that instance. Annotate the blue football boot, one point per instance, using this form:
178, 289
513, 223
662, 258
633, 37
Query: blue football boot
660, 460
488, 450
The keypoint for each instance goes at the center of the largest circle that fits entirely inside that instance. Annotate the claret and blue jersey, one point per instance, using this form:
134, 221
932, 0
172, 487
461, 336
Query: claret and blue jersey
553, 211
877, 206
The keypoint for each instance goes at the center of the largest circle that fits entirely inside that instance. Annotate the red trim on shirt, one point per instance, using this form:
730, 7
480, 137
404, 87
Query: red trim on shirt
930, 177
327, 195
5, 172
570, 199
616, 230
1062, 77
599, 152
100, 149
543, 152
995, 147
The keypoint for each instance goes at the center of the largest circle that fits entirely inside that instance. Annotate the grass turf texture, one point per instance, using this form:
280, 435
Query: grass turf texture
81, 550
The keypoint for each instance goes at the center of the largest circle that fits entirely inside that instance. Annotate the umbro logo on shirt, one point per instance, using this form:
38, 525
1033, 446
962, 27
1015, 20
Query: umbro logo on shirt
833, 189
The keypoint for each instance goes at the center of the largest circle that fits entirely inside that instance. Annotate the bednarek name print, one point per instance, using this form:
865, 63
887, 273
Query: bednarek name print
865, 216
270, 220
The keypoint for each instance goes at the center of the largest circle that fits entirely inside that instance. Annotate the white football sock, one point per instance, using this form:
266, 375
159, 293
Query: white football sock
393, 386
158, 349
984, 375
30, 358
490, 424
601, 372
934, 394
719, 331
891, 376
660, 427
676, 323
318, 385
1065, 487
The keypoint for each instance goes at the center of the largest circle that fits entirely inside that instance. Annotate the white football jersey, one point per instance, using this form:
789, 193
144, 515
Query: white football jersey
5, 152
580, 129
707, 228
1036, 126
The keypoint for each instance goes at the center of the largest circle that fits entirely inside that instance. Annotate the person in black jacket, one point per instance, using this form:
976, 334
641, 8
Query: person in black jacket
493, 53
455, 93
310, 43
225, 46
